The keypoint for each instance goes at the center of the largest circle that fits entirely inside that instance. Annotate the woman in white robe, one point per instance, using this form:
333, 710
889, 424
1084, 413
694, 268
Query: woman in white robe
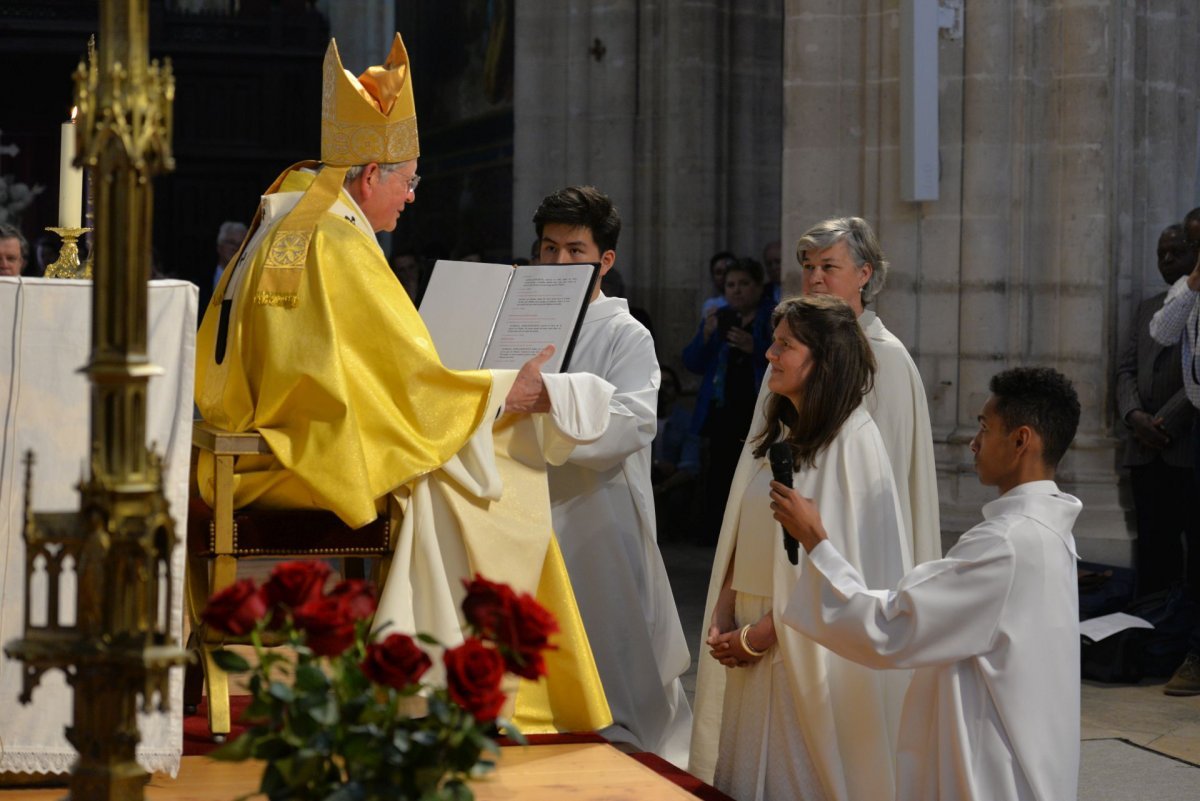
842, 257
778, 716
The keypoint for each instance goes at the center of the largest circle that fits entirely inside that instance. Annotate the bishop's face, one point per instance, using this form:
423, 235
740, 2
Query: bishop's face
385, 195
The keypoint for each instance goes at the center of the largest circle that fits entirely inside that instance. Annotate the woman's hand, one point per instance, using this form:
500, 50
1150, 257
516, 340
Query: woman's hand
741, 339
728, 649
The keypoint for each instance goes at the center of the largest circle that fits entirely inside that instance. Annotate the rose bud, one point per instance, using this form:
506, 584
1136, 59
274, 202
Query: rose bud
328, 624
294, 584
396, 662
236, 609
473, 674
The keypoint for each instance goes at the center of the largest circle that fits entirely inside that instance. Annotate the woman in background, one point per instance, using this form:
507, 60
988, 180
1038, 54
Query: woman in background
729, 350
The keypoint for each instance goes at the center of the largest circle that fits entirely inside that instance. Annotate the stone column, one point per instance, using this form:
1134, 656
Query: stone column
1067, 133
672, 110
363, 29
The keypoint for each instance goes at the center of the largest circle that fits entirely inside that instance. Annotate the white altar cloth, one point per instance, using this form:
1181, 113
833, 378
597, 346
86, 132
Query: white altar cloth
45, 337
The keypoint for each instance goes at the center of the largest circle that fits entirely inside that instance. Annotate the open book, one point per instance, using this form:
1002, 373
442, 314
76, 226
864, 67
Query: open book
498, 316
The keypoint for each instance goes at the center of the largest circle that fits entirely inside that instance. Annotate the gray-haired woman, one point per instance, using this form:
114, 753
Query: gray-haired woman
842, 257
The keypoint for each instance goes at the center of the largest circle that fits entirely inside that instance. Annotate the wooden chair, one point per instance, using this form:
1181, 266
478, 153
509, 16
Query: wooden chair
218, 537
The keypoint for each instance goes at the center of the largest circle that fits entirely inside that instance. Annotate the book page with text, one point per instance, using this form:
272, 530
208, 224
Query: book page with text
544, 306
460, 307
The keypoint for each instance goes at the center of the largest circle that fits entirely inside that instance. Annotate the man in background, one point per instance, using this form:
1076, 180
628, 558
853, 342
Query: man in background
1178, 322
229, 239
1152, 403
14, 250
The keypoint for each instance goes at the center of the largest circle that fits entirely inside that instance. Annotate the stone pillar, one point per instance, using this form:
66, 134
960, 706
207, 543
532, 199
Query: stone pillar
1067, 139
575, 106
672, 110
363, 30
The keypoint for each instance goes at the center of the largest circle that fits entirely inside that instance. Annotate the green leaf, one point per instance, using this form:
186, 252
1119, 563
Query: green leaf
272, 780
311, 679
425, 737
258, 709
281, 692
350, 791
236, 750
272, 748
455, 790
510, 731
325, 713
428, 639
230, 662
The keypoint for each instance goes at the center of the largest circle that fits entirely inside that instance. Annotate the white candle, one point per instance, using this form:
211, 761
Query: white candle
70, 181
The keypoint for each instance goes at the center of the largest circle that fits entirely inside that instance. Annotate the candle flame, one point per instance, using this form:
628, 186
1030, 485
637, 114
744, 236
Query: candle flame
74, 111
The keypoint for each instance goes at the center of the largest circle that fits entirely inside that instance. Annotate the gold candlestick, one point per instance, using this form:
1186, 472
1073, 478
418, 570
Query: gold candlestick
67, 264
118, 651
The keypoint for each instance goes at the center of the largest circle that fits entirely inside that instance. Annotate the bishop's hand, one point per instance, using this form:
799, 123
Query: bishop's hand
528, 393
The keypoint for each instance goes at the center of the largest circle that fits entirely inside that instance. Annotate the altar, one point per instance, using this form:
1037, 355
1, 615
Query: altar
586, 772
44, 407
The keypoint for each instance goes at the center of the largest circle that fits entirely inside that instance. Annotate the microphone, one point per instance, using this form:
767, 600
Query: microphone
780, 455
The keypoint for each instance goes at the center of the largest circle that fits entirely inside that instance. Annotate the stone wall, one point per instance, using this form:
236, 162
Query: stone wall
1067, 140
670, 108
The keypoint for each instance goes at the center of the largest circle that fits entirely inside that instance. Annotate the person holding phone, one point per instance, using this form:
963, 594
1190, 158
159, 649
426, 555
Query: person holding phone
730, 351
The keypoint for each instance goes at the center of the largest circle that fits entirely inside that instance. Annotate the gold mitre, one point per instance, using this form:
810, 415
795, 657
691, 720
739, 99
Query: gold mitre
371, 117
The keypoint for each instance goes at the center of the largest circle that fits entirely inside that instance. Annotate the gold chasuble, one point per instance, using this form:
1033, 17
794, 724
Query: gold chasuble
345, 386
329, 361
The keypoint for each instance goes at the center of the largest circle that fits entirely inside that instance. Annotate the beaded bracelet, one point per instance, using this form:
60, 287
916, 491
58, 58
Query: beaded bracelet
746, 642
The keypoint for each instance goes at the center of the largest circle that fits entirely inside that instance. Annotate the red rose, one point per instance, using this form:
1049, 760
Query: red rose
235, 609
533, 624
473, 673
328, 624
294, 584
358, 594
489, 607
396, 662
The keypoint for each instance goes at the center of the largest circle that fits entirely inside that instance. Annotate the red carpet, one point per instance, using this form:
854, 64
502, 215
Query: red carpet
197, 741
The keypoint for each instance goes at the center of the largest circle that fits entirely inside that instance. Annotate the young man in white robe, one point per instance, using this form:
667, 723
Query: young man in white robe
602, 499
992, 629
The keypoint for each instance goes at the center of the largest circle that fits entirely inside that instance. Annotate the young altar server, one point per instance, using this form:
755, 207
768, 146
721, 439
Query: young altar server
603, 501
992, 629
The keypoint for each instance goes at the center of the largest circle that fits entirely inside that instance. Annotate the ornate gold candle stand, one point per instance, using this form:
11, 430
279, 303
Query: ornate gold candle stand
67, 264
118, 652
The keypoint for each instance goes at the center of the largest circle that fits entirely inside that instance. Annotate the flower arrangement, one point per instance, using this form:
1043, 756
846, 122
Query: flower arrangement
337, 722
